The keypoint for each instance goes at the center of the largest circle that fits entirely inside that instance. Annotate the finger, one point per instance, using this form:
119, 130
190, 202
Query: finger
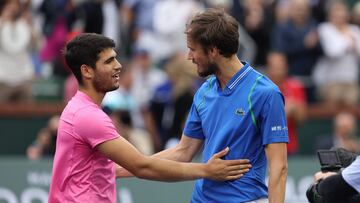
236, 162
238, 172
233, 177
221, 153
238, 167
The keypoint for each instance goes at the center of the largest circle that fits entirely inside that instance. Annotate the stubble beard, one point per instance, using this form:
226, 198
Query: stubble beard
211, 69
103, 85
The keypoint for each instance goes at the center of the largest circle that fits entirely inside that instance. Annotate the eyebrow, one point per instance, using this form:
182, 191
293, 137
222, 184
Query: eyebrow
110, 59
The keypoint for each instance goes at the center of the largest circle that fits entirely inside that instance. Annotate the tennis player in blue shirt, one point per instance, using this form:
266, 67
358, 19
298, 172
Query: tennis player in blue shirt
237, 107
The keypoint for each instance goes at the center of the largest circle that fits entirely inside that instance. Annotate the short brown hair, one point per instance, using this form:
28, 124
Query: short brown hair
85, 49
215, 28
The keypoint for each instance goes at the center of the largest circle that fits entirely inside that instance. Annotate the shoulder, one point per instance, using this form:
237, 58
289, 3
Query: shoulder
93, 125
90, 115
261, 83
264, 88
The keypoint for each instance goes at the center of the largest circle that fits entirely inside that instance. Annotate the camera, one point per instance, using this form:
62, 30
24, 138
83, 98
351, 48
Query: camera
333, 160
329, 160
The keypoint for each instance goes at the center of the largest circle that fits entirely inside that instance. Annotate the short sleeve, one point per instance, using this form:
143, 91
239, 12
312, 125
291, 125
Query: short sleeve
94, 127
193, 127
273, 124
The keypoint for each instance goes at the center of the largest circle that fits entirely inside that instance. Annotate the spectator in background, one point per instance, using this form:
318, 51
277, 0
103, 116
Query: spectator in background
294, 93
297, 39
145, 78
247, 47
44, 144
336, 74
172, 99
41, 146
281, 12
169, 19
344, 134
137, 17
258, 22
55, 28
16, 68
112, 21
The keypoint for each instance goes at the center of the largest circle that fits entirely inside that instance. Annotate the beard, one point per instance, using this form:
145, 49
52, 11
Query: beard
208, 69
104, 85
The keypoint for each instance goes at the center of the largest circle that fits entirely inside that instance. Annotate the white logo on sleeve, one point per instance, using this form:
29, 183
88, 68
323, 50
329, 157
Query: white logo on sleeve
278, 128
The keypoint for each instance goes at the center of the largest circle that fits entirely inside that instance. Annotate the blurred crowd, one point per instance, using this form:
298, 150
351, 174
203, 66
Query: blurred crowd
309, 48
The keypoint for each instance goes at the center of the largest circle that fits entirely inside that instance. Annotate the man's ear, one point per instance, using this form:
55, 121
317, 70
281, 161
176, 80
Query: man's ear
86, 71
213, 52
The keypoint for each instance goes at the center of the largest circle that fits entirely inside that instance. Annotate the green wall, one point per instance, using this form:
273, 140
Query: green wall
23, 181
309, 131
18, 133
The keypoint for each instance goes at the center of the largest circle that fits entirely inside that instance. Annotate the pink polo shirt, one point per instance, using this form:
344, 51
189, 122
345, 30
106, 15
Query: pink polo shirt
80, 172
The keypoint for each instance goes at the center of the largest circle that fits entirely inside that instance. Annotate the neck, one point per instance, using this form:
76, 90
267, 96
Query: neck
96, 96
228, 67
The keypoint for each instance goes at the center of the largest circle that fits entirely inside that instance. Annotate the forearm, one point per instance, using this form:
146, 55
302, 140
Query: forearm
277, 183
166, 170
175, 154
277, 159
184, 151
162, 170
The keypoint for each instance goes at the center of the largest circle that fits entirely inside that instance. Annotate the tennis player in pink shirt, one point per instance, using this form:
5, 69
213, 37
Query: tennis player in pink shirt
89, 150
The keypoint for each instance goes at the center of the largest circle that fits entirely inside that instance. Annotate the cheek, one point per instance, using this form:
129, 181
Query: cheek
198, 58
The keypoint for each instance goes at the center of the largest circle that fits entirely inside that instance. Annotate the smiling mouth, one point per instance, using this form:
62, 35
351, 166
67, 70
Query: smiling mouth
116, 76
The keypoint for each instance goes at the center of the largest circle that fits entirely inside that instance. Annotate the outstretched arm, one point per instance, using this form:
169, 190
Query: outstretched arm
184, 151
123, 153
277, 157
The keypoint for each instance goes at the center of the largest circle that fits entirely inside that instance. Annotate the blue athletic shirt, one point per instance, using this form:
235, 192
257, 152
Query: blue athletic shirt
245, 116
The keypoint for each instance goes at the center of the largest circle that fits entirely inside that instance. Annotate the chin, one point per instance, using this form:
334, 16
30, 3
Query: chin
115, 88
204, 74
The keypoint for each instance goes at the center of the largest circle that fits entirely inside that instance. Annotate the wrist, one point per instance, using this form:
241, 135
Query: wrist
204, 172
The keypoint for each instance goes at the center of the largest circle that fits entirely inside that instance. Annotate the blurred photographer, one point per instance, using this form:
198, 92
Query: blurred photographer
339, 185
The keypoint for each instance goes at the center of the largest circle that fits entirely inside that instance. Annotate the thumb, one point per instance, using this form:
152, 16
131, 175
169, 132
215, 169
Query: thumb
221, 153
